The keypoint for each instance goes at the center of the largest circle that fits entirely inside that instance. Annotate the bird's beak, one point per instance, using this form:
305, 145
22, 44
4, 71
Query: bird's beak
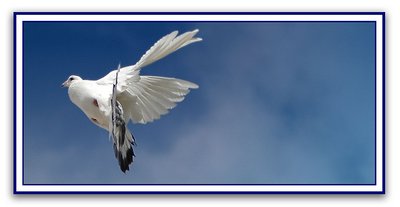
64, 84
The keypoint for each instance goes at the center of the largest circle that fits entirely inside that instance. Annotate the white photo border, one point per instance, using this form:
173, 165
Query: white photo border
377, 188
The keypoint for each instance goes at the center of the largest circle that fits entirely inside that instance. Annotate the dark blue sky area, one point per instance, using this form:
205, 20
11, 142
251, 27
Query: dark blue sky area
278, 103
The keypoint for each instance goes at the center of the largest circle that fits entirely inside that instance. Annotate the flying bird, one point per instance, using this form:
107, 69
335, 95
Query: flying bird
124, 95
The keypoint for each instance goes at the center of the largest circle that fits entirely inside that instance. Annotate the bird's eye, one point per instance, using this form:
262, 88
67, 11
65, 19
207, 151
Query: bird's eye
71, 78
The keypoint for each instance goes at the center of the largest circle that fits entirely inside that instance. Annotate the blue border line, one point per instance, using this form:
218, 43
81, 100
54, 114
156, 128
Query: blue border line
375, 117
204, 21
211, 192
199, 13
384, 103
201, 192
198, 184
23, 107
14, 103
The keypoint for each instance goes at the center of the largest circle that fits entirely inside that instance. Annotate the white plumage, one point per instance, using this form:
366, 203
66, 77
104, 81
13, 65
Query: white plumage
141, 99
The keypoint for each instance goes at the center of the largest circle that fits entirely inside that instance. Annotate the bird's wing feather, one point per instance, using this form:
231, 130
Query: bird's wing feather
146, 98
152, 96
167, 45
163, 47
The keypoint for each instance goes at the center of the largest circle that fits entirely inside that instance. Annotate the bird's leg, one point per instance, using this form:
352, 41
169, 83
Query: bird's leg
94, 120
95, 103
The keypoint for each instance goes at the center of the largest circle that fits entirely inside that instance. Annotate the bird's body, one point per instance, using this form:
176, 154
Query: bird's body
93, 99
140, 99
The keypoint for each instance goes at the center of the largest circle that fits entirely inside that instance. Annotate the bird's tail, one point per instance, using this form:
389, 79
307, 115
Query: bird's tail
123, 140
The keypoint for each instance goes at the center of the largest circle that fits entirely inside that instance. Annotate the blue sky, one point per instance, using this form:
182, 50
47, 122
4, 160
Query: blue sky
278, 103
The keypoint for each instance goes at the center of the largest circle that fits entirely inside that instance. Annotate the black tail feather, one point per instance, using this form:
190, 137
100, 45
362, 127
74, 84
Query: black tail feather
124, 162
123, 140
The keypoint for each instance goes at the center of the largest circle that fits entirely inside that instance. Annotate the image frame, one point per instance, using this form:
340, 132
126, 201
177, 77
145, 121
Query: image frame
377, 188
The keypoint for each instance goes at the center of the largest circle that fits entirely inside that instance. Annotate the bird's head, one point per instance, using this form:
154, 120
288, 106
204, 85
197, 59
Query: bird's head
71, 79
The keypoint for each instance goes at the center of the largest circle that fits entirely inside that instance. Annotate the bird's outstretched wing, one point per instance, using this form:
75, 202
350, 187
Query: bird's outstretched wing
146, 98
153, 96
167, 45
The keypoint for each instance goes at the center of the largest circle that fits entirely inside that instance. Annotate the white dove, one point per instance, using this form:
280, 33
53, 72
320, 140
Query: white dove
141, 99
